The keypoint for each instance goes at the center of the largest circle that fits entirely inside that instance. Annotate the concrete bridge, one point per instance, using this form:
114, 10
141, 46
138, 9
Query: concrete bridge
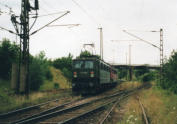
130, 68
135, 66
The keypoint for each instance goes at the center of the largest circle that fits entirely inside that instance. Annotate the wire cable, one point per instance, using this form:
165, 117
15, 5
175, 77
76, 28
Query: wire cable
8, 30
140, 39
49, 23
33, 22
50, 14
90, 16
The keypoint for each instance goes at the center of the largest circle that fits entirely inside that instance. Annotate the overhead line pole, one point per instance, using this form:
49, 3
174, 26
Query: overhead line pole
161, 55
101, 42
160, 48
24, 40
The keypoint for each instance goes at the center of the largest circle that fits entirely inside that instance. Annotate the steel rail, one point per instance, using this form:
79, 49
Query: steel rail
116, 101
126, 94
106, 116
86, 113
45, 112
144, 113
53, 112
131, 92
25, 109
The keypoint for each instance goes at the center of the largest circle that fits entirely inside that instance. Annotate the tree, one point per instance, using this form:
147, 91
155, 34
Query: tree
9, 53
86, 54
170, 73
39, 70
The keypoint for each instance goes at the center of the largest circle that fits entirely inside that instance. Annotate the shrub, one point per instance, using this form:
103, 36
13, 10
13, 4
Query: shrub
67, 73
39, 71
65, 65
169, 73
56, 85
8, 54
147, 77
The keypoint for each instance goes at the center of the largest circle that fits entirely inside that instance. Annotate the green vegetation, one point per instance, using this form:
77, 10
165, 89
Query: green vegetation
84, 53
58, 82
8, 55
170, 74
65, 65
160, 106
39, 71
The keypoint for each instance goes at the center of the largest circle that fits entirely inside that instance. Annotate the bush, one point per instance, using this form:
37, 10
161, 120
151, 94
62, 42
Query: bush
39, 71
8, 54
49, 75
65, 65
170, 73
56, 86
147, 77
67, 73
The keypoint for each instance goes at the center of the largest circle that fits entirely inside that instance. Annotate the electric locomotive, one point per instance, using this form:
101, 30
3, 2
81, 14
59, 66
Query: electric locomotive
91, 74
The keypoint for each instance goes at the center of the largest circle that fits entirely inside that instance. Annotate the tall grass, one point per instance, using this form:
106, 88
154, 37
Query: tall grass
160, 106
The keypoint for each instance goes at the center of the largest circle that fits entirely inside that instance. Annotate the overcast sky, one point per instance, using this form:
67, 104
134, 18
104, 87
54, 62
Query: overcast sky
136, 16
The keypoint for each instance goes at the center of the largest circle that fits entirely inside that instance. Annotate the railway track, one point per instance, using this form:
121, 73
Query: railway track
103, 116
11, 113
69, 106
71, 111
143, 111
29, 111
26, 112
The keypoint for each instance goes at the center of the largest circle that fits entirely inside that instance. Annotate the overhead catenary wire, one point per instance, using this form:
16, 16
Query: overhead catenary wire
34, 21
50, 14
69, 25
50, 23
48, 5
140, 39
8, 30
90, 16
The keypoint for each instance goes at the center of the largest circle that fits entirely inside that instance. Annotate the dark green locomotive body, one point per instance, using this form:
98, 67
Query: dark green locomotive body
90, 74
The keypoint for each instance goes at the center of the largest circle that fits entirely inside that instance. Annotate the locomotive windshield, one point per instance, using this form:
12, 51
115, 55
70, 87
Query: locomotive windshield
83, 64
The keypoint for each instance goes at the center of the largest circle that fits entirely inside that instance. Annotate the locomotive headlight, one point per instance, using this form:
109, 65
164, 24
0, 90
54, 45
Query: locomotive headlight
75, 74
90, 84
91, 74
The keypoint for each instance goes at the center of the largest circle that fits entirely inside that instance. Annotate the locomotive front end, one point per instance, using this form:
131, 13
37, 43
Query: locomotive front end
84, 79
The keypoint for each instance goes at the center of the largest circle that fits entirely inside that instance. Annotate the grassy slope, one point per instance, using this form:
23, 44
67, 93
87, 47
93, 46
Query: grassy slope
160, 106
58, 78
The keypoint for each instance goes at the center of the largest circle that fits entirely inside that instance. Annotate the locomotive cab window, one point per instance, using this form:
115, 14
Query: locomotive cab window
83, 64
88, 64
78, 64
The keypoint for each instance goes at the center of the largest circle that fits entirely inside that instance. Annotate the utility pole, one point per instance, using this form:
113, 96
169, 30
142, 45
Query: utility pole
101, 42
130, 68
24, 45
161, 55
21, 83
